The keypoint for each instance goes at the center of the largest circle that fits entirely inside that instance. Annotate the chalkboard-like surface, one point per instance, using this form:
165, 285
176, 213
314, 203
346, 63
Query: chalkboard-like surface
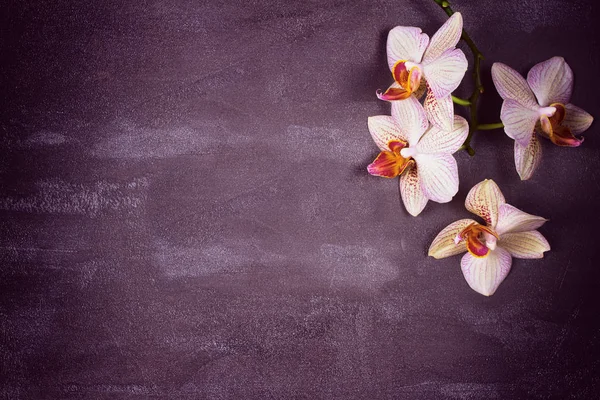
185, 211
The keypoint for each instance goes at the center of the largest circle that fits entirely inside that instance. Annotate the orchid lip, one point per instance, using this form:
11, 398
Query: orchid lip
475, 245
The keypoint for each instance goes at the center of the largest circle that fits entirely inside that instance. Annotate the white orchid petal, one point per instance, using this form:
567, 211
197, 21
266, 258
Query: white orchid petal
438, 174
439, 112
383, 130
406, 43
512, 220
484, 199
445, 38
527, 158
484, 275
445, 72
410, 118
444, 245
551, 81
519, 121
410, 190
525, 244
577, 119
437, 140
511, 85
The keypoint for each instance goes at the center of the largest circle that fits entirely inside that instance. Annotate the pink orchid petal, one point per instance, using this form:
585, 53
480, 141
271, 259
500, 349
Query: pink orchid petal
439, 112
484, 275
519, 121
484, 199
410, 118
410, 190
406, 43
444, 244
511, 85
551, 81
525, 244
445, 38
577, 119
513, 220
437, 140
384, 130
445, 72
527, 158
438, 174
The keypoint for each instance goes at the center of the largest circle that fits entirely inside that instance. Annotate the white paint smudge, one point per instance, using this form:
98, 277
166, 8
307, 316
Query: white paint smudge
132, 142
231, 256
59, 197
46, 138
356, 266
330, 143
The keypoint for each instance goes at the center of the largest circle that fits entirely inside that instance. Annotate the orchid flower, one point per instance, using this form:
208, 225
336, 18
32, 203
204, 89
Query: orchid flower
413, 58
421, 155
508, 232
539, 103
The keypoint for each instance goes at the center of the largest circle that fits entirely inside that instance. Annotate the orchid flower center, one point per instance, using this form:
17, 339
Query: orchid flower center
392, 163
407, 76
480, 239
551, 119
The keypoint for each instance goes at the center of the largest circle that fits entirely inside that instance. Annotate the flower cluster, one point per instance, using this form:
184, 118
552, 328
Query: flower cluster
418, 140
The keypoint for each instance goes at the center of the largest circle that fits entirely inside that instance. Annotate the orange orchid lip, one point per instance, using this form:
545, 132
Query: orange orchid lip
408, 79
551, 128
390, 164
472, 234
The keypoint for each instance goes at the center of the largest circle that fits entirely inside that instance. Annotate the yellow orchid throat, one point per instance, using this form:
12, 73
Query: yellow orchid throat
408, 76
390, 164
480, 239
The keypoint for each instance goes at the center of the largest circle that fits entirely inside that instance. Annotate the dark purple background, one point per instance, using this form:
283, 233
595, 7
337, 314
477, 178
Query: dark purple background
186, 213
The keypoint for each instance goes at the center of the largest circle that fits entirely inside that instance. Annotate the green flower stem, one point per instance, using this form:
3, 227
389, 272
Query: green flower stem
462, 102
489, 127
473, 99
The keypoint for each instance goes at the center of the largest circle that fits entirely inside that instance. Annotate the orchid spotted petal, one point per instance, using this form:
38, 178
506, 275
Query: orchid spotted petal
413, 59
528, 158
484, 199
509, 232
439, 111
519, 121
421, 155
540, 103
410, 190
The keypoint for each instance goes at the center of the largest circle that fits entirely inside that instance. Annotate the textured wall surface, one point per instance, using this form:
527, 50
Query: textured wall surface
185, 210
